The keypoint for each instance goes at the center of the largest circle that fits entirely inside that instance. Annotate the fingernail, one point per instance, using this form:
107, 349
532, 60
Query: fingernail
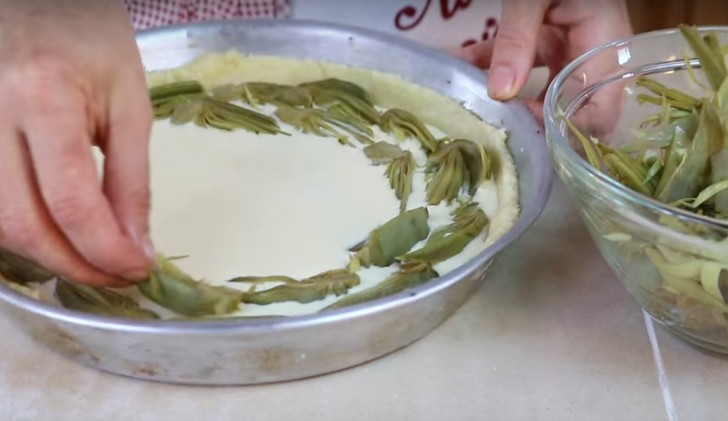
133, 277
501, 81
144, 242
126, 282
148, 248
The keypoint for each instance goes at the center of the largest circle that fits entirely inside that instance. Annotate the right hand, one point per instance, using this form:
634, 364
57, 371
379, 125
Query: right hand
551, 33
71, 78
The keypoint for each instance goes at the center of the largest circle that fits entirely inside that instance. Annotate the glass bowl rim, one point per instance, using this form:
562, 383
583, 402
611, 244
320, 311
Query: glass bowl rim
560, 144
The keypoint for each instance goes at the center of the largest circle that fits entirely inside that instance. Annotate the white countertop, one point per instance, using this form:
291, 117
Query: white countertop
550, 335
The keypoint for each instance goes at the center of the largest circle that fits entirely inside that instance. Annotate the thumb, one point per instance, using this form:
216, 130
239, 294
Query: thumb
514, 48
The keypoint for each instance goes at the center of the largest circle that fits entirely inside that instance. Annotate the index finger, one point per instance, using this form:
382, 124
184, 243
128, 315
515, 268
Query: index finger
57, 134
126, 172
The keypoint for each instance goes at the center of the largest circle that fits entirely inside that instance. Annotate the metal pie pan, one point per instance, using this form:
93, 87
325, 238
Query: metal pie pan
254, 351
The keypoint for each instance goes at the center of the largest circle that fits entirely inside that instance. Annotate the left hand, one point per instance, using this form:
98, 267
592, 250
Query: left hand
547, 33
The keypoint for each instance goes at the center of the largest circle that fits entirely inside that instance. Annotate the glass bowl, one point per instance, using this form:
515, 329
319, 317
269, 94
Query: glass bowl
673, 262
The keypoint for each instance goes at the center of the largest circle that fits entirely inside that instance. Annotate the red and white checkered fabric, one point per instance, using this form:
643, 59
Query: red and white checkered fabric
152, 13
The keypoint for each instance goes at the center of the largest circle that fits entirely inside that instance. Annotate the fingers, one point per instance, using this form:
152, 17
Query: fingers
592, 24
478, 54
549, 53
126, 174
56, 132
26, 228
481, 53
536, 108
514, 48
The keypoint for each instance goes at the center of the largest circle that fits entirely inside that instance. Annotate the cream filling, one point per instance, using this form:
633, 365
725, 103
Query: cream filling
387, 90
244, 204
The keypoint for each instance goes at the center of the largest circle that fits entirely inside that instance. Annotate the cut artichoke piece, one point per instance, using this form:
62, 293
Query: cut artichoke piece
315, 288
400, 170
100, 301
456, 164
21, 270
395, 237
469, 221
403, 124
330, 93
226, 116
173, 289
271, 93
410, 275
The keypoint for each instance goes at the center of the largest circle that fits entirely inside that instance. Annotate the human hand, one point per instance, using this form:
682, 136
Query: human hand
547, 33
72, 78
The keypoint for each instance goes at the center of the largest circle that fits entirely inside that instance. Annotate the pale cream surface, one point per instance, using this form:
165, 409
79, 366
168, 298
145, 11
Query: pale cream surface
387, 90
241, 204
